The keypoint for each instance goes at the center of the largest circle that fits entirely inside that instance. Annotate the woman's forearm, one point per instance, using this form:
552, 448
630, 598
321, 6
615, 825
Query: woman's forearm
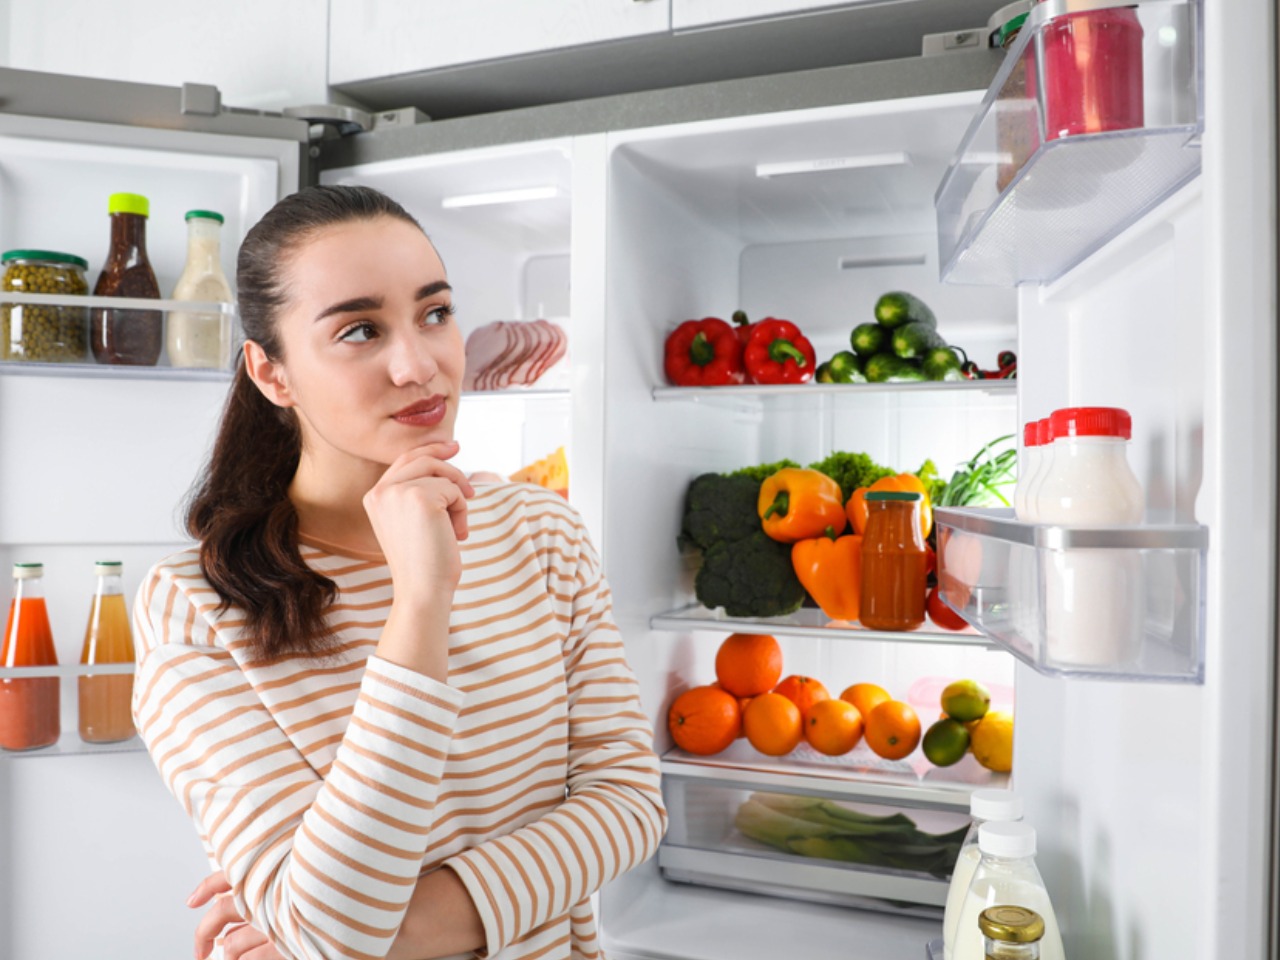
441, 920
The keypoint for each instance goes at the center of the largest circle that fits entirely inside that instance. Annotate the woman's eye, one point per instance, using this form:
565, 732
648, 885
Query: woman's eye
440, 314
358, 333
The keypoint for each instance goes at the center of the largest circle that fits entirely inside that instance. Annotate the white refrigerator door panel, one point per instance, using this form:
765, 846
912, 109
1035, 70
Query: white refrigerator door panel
100, 859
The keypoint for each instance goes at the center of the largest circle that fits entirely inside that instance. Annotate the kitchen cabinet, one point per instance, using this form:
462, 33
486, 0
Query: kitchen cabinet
408, 36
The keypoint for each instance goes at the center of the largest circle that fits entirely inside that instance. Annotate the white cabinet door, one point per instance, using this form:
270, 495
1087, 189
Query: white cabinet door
388, 37
686, 14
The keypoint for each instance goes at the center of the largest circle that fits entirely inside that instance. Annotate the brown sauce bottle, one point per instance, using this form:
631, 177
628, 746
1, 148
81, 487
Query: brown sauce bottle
132, 337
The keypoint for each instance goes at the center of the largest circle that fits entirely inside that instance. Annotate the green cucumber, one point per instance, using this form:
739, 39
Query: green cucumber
888, 368
868, 339
912, 341
898, 308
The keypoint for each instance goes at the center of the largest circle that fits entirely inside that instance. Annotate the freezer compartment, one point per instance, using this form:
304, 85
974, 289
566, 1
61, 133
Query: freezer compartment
1123, 603
1092, 121
883, 846
116, 336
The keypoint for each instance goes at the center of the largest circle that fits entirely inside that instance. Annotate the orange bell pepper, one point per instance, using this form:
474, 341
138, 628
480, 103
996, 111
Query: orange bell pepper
830, 568
796, 504
856, 508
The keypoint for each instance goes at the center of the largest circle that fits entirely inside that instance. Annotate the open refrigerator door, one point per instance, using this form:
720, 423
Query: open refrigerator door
94, 463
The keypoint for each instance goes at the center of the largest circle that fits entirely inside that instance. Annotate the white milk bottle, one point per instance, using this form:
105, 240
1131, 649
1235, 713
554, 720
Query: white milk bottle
985, 806
1044, 461
201, 339
1094, 598
1028, 465
1006, 875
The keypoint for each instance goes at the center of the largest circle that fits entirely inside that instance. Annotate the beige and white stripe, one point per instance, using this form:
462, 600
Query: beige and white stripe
324, 787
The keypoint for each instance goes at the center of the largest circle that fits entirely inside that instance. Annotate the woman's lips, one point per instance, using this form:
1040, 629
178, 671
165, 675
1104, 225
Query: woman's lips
424, 413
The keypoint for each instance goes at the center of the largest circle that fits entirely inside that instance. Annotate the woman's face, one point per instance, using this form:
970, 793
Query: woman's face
372, 360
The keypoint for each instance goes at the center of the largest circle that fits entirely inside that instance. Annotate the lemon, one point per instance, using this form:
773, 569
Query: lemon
993, 741
945, 742
965, 700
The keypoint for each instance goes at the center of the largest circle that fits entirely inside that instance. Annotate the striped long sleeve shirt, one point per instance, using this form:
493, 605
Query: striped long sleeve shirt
323, 787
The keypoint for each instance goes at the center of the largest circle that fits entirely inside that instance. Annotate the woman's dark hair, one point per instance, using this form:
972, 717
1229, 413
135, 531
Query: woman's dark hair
239, 509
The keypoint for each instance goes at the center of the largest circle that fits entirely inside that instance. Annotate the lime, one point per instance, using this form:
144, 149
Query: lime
965, 700
945, 743
993, 741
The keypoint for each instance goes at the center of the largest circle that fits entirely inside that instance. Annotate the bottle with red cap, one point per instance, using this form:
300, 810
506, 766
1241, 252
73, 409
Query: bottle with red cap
1089, 482
1094, 599
1030, 468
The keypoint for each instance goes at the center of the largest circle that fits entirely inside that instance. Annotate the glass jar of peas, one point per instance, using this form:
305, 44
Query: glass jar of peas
45, 333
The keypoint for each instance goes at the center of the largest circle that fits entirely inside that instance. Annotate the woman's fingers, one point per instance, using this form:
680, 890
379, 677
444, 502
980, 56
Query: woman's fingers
243, 941
208, 888
222, 914
422, 462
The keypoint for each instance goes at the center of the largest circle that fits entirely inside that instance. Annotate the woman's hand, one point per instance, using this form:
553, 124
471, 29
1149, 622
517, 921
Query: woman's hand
240, 941
419, 513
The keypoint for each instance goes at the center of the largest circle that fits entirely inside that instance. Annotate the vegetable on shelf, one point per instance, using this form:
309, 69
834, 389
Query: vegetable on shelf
752, 577
703, 353
896, 308
904, 483
843, 367
830, 569
719, 508
982, 480
852, 470
777, 352
797, 504
742, 326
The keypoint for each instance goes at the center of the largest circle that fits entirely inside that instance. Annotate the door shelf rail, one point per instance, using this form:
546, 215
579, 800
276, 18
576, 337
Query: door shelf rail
806, 622
1026, 197
67, 319
1121, 603
69, 744
66, 670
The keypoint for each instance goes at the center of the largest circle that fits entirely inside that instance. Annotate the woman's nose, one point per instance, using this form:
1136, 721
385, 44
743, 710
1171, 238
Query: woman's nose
411, 359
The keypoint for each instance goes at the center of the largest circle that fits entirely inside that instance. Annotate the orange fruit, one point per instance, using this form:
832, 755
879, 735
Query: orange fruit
833, 727
742, 711
892, 730
773, 724
866, 697
803, 691
748, 663
704, 720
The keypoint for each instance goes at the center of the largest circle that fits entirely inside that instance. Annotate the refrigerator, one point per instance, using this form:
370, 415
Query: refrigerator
1146, 282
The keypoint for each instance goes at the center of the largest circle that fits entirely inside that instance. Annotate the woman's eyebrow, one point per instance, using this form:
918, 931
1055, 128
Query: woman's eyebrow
352, 306
431, 289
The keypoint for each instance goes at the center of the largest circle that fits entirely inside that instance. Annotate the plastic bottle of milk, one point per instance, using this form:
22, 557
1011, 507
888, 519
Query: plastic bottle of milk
1094, 598
985, 806
1044, 459
1006, 875
1028, 464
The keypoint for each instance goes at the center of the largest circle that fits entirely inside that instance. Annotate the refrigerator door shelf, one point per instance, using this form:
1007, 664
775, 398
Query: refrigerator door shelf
806, 622
864, 851
1021, 202
1123, 603
70, 745
29, 320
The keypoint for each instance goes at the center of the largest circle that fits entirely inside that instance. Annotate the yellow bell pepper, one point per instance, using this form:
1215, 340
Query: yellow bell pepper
797, 504
830, 568
856, 508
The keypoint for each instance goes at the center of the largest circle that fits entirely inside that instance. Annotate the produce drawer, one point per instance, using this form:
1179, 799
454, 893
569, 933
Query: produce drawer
1093, 119
1123, 603
880, 844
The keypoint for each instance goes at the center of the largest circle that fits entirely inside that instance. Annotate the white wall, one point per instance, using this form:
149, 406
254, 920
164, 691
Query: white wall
264, 55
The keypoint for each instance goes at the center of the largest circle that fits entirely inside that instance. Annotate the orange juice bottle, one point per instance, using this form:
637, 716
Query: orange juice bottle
894, 562
105, 699
29, 706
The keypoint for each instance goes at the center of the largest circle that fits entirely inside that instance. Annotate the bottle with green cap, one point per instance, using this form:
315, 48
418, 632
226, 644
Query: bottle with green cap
133, 337
894, 562
201, 338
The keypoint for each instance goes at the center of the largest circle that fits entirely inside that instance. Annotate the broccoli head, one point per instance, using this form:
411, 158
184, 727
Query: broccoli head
718, 508
751, 577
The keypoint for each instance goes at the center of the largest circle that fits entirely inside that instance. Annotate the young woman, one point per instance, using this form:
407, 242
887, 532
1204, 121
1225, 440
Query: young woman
396, 706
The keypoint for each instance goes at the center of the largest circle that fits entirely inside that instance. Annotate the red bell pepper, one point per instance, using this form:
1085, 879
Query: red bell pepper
777, 352
703, 353
742, 325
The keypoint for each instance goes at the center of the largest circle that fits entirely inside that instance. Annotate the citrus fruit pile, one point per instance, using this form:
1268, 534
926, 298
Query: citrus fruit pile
751, 698
968, 725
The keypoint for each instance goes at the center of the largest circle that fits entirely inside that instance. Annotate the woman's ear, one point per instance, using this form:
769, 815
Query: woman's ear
266, 374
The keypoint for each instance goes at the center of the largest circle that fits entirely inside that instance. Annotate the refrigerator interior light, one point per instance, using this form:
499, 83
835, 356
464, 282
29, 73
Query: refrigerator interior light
499, 196
766, 171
